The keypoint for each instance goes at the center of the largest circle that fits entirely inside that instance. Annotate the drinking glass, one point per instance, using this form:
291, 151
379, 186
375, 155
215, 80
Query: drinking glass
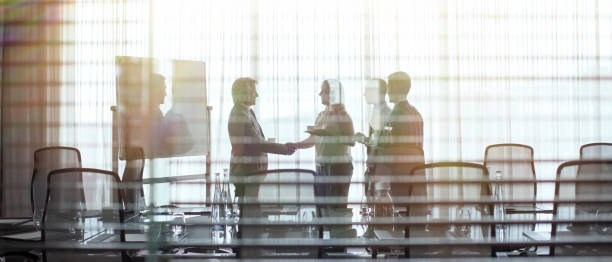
464, 213
306, 219
178, 224
76, 227
37, 218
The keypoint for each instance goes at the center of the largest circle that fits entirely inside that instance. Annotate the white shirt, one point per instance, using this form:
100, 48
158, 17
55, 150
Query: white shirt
377, 115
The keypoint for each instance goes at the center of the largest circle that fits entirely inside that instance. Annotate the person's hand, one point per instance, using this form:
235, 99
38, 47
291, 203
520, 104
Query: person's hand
290, 148
361, 138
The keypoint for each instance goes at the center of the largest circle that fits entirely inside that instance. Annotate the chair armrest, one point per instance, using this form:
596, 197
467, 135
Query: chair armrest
536, 236
26, 255
23, 236
388, 234
402, 211
13, 221
526, 210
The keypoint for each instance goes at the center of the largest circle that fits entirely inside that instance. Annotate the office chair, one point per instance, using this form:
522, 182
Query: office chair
454, 199
514, 161
596, 151
274, 193
132, 182
84, 206
47, 159
581, 191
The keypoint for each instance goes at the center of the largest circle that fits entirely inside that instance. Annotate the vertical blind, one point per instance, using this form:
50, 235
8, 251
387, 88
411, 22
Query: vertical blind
484, 71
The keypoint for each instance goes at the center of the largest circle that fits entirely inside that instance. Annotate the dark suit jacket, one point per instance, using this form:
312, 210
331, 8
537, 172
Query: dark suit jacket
249, 146
404, 126
403, 138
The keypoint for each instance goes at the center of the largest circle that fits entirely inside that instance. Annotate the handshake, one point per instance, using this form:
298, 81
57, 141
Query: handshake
290, 148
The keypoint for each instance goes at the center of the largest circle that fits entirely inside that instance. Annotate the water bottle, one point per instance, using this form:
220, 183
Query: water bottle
225, 195
499, 207
217, 231
216, 197
226, 198
391, 209
235, 214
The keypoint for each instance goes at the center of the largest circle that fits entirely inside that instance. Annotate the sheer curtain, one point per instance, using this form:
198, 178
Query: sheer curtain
483, 72
531, 73
220, 33
31, 62
101, 31
217, 33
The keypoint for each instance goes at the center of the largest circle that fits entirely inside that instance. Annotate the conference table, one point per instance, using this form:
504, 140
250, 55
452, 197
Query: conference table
21, 235
196, 239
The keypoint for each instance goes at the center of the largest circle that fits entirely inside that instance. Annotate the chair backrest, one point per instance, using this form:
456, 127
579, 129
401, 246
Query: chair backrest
47, 159
279, 191
514, 161
132, 181
592, 180
454, 198
596, 151
398, 162
83, 206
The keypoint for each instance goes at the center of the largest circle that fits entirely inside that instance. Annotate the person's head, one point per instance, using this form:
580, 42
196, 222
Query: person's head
158, 89
244, 91
399, 86
325, 93
382, 90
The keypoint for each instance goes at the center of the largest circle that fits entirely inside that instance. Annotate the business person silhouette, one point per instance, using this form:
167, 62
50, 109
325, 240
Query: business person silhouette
378, 111
403, 131
169, 133
332, 140
154, 116
142, 120
249, 146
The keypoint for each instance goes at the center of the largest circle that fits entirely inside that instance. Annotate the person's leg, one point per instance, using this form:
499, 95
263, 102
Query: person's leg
340, 192
368, 191
320, 190
400, 171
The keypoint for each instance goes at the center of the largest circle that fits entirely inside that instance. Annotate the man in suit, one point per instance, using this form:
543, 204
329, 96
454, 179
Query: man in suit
249, 146
404, 132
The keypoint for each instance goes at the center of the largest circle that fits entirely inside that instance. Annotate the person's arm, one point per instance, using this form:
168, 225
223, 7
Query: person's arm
348, 129
274, 148
245, 137
237, 129
306, 143
408, 130
405, 130
311, 139
363, 139
386, 139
